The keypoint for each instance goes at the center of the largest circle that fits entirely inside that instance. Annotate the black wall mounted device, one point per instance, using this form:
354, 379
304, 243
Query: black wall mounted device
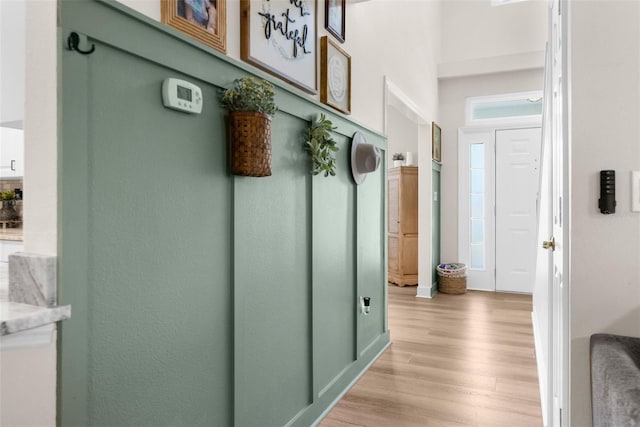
607, 202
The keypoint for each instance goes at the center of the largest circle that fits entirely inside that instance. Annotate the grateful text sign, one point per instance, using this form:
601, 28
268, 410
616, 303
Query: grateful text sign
279, 36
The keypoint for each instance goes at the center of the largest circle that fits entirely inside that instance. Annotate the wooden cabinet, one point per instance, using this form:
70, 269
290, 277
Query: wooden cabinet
403, 225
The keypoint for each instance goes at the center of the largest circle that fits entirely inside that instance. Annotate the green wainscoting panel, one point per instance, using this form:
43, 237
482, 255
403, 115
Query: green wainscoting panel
371, 252
158, 307
436, 201
200, 298
272, 285
334, 271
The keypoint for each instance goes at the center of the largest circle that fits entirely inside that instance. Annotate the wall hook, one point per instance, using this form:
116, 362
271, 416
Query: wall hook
72, 43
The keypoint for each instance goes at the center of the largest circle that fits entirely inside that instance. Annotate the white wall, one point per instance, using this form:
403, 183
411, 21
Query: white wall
397, 39
604, 48
28, 381
12, 57
512, 36
453, 94
402, 135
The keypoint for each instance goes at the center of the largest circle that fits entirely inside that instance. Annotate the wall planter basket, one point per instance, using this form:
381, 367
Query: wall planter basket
452, 278
250, 143
250, 102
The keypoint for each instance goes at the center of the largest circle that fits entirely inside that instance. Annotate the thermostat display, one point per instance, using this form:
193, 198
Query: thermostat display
182, 96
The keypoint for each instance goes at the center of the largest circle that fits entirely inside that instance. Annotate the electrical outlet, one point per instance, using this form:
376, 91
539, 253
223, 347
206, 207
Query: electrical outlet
635, 191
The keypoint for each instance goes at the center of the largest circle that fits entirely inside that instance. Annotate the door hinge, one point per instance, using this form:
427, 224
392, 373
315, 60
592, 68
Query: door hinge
560, 417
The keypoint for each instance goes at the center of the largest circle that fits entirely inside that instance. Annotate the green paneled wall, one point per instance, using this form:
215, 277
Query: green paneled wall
272, 260
436, 169
334, 272
200, 298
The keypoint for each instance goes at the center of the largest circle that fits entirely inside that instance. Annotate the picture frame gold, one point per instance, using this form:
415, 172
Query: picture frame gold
436, 138
335, 76
335, 18
193, 17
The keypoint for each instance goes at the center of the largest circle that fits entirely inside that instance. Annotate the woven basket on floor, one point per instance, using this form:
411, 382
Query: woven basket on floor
452, 285
452, 278
250, 143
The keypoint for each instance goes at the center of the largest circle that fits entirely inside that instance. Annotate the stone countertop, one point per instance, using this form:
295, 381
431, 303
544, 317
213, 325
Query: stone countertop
28, 307
16, 317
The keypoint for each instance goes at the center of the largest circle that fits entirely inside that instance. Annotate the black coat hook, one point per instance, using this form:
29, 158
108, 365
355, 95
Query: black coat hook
72, 43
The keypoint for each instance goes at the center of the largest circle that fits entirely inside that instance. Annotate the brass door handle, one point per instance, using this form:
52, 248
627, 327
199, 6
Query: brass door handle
550, 244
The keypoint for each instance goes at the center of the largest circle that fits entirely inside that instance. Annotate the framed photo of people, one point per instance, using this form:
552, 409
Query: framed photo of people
279, 37
204, 20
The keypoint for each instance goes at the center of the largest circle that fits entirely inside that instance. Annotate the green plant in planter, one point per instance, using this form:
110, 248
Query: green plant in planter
321, 147
250, 102
250, 94
8, 195
398, 156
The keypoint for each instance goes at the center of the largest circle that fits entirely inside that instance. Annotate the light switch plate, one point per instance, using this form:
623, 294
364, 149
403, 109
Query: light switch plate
635, 191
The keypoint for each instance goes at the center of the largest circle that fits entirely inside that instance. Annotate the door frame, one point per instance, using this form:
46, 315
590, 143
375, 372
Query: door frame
396, 98
487, 134
560, 310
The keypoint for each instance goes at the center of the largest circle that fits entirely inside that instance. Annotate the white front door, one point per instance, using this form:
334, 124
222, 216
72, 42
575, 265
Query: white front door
517, 181
497, 232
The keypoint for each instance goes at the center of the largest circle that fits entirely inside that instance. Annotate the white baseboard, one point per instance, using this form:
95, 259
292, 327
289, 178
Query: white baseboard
423, 292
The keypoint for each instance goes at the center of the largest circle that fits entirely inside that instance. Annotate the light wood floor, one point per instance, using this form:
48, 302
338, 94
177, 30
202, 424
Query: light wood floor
455, 360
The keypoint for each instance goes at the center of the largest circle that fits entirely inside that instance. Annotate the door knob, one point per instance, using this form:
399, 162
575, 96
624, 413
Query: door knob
550, 244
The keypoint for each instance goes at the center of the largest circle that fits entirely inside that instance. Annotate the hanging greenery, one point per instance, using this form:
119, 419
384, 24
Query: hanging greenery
250, 94
321, 146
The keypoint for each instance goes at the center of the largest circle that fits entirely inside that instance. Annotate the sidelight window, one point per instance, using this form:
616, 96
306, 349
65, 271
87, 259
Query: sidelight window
476, 205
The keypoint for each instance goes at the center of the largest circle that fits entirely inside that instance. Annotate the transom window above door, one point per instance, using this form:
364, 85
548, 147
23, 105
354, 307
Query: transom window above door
501, 2
522, 107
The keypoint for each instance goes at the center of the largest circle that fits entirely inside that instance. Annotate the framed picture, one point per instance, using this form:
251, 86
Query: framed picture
436, 138
279, 37
204, 20
334, 18
335, 76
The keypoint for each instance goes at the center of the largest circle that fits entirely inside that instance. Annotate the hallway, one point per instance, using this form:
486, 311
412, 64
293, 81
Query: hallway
455, 360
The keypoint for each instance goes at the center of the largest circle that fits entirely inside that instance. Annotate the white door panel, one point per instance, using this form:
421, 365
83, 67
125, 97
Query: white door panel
551, 296
517, 181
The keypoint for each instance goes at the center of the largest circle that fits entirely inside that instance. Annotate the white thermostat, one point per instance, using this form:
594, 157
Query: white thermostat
182, 96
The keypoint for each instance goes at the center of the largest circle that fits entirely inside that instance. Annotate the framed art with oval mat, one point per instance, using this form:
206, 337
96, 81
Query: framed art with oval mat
335, 76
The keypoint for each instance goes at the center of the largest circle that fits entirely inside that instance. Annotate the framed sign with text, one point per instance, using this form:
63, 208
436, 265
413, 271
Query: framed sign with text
279, 36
